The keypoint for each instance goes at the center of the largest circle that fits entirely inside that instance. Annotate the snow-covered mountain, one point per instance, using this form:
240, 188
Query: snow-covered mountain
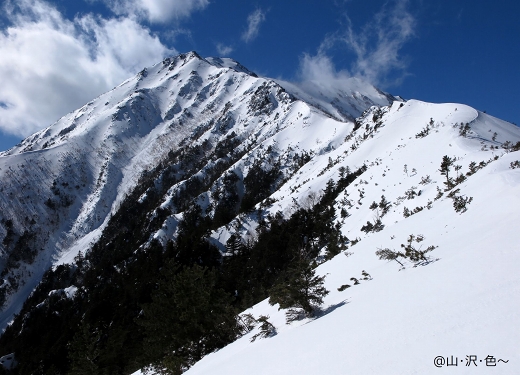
246, 149
59, 186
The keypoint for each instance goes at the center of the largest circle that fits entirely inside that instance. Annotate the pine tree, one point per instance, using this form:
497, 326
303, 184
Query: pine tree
416, 255
369, 227
446, 164
459, 202
388, 254
267, 329
411, 252
426, 130
460, 176
234, 244
464, 129
384, 206
335, 241
301, 292
473, 168
188, 318
84, 351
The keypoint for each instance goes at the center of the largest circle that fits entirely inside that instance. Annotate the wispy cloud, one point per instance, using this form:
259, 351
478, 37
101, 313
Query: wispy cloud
223, 50
157, 11
254, 20
376, 46
320, 69
50, 65
319, 77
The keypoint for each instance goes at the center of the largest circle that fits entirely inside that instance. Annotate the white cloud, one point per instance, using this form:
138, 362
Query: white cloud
319, 68
318, 76
319, 82
157, 11
253, 25
50, 65
377, 45
223, 50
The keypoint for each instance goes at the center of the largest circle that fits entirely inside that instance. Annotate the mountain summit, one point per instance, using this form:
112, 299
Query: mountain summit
75, 173
155, 221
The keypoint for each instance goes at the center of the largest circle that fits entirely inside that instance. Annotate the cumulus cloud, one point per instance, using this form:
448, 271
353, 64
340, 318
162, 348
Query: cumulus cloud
157, 11
376, 47
50, 65
254, 20
223, 50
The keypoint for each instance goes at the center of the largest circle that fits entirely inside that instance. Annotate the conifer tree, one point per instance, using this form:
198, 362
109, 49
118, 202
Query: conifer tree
388, 254
301, 292
373, 206
464, 129
369, 227
446, 164
84, 351
188, 318
234, 244
384, 206
415, 255
267, 329
411, 252
335, 241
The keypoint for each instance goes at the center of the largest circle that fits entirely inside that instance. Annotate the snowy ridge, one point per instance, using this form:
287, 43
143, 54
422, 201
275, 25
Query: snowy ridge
88, 161
460, 303
385, 151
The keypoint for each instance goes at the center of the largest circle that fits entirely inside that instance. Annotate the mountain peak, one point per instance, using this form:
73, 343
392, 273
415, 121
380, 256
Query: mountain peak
219, 62
224, 62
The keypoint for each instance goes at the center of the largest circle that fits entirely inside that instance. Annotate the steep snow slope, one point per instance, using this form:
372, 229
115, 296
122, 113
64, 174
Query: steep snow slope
59, 186
397, 161
461, 302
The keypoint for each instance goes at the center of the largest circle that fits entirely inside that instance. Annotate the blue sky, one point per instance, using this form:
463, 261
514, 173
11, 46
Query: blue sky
56, 55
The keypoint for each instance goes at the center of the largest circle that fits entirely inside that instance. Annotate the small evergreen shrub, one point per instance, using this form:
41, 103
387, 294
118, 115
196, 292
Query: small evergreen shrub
267, 329
411, 253
460, 202
426, 130
464, 129
425, 180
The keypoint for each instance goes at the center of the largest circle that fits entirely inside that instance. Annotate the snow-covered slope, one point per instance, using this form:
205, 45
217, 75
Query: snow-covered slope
59, 186
463, 302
